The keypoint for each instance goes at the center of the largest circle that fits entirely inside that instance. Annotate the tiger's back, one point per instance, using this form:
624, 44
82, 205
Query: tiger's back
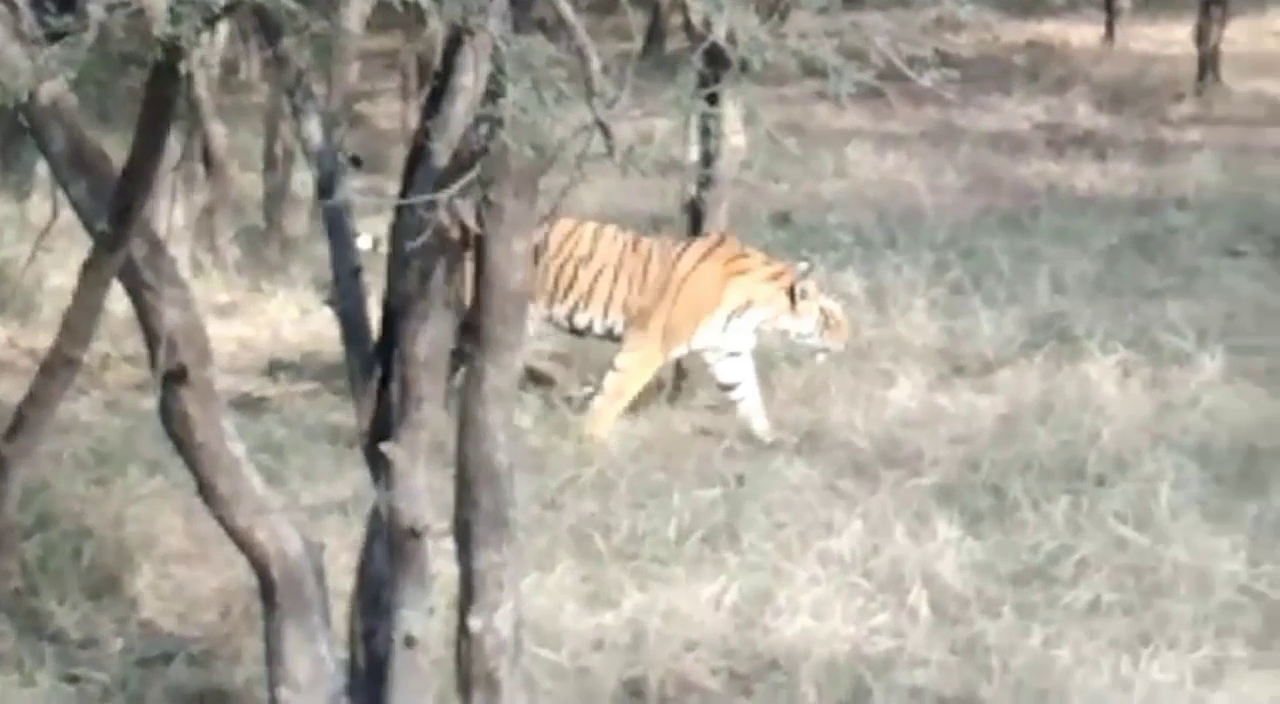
592, 278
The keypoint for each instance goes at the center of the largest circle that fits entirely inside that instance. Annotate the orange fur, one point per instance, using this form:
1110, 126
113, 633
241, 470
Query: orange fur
664, 297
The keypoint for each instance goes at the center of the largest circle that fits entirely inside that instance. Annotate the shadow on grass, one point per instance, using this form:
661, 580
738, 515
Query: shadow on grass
72, 628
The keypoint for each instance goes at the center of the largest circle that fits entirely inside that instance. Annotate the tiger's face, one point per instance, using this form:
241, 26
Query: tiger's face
813, 318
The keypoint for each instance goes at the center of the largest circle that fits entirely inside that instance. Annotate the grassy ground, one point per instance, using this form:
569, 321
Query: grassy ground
1042, 471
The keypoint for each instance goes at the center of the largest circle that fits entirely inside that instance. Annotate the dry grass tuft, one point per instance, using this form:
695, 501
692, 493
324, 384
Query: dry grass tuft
1043, 469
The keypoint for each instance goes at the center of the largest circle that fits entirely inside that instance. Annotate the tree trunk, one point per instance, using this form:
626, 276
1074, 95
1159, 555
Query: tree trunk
282, 214
417, 59
346, 27
169, 209
717, 144
1211, 25
489, 623
349, 299
391, 602
301, 662
65, 355
18, 159
212, 227
414, 347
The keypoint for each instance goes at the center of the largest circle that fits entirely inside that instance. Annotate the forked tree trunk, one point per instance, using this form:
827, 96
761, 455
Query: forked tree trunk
414, 347
65, 355
301, 662
391, 603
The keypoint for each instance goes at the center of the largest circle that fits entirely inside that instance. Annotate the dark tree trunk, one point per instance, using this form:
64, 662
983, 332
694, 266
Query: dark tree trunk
1211, 25
717, 145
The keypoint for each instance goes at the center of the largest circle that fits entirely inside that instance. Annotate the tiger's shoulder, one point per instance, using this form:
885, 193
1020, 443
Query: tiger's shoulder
756, 289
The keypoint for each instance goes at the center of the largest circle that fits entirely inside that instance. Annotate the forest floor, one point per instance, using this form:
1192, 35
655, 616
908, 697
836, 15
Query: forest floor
1042, 468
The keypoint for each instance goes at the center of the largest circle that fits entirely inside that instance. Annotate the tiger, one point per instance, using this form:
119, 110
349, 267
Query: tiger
662, 297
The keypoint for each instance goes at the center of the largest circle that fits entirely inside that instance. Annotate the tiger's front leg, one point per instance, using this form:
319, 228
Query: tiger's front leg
735, 375
632, 368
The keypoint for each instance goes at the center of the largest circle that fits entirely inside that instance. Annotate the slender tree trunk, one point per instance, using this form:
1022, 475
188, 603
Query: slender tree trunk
282, 215
717, 144
212, 226
1211, 25
417, 54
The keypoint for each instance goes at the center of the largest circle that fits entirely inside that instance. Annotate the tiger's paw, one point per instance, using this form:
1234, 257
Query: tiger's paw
596, 430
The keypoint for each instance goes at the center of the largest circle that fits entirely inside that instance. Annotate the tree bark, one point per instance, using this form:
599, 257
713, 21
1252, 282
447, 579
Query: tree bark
301, 662
329, 168
1211, 25
346, 27
489, 624
717, 144
391, 608
391, 603
211, 222
281, 214
18, 160
65, 356
417, 58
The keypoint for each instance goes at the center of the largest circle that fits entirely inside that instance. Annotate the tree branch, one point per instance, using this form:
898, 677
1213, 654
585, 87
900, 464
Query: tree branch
65, 356
593, 73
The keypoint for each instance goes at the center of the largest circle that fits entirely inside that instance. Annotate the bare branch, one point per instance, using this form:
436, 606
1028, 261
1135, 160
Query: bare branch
593, 73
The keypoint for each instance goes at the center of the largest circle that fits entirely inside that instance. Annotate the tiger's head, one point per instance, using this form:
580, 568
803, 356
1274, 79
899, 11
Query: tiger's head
812, 317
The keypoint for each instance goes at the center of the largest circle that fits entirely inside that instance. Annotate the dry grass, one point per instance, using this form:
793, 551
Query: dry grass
1041, 472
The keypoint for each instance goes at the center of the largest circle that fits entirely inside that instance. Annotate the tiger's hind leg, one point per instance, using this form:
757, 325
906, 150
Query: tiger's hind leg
735, 375
633, 366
